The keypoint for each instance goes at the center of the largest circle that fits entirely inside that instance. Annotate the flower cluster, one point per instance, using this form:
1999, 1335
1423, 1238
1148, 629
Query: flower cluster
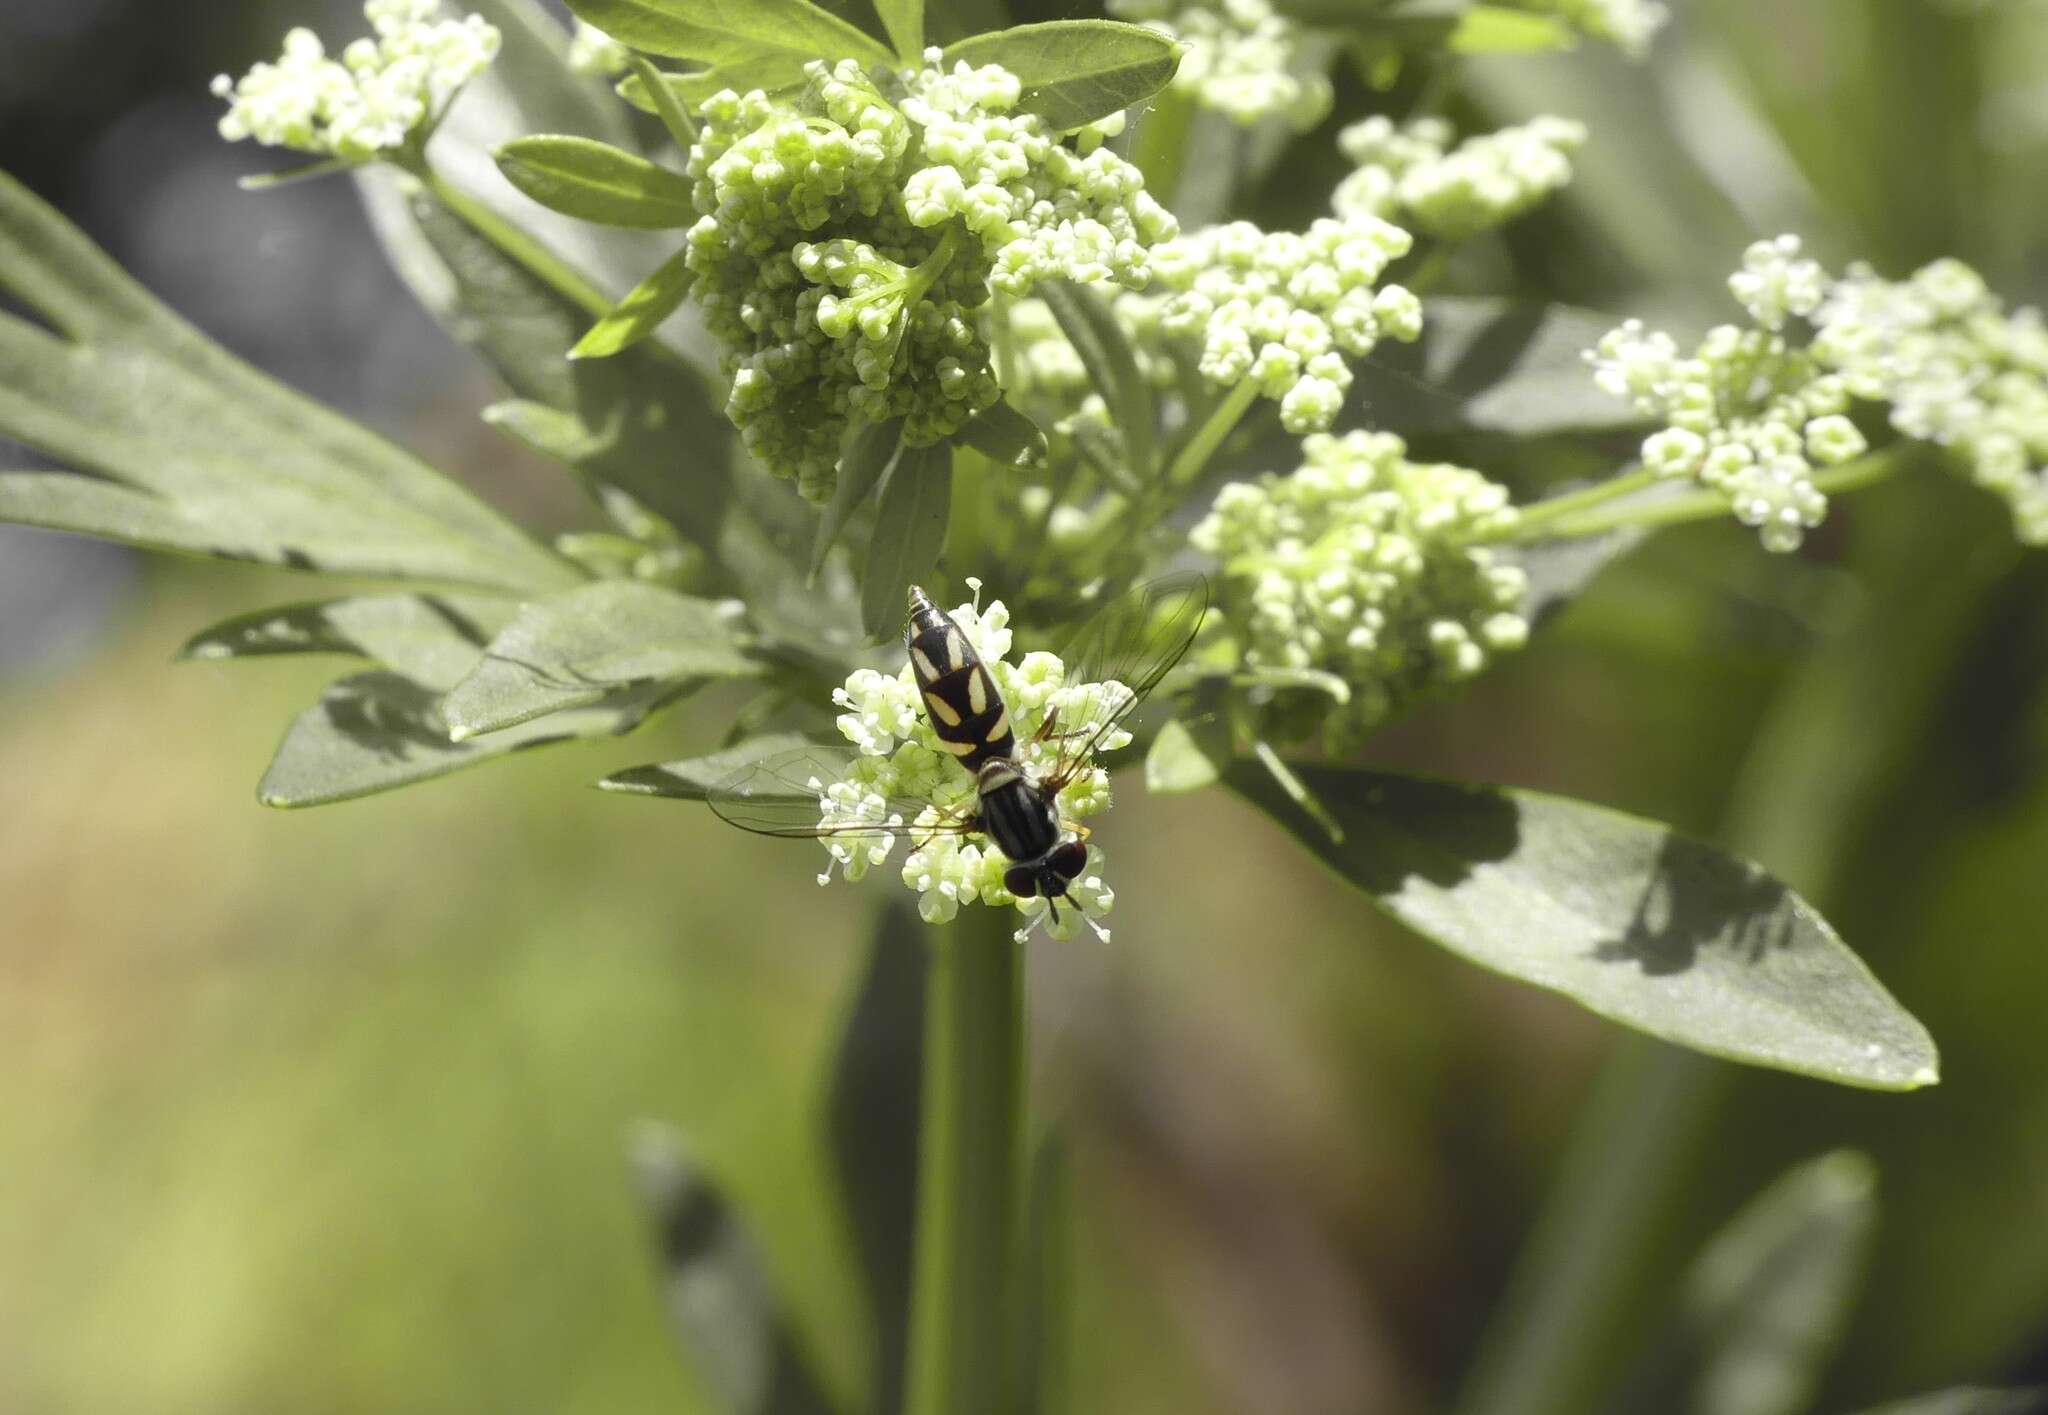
1281, 309
1359, 582
1241, 58
1410, 173
1747, 415
1754, 411
592, 51
1629, 25
377, 98
851, 230
1958, 370
901, 758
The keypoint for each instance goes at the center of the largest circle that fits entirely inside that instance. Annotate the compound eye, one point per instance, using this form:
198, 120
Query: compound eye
1070, 859
1021, 882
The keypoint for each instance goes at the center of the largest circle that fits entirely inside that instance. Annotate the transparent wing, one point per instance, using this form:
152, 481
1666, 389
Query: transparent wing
1134, 641
785, 795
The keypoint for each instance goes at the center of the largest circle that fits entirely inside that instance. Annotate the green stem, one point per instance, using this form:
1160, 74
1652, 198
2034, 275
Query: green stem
540, 262
1537, 517
1223, 419
1590, 514
970, 1169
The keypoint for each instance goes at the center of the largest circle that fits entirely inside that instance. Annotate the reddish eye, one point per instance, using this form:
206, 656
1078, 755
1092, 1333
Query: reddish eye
1021, 882
1069, 860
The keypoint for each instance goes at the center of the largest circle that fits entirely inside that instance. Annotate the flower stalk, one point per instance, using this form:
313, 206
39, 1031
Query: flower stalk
970, 1169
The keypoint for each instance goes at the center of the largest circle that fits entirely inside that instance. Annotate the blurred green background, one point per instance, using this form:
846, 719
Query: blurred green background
323, 1112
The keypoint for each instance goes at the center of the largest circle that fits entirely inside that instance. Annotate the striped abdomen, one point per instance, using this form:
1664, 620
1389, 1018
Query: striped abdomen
960, 699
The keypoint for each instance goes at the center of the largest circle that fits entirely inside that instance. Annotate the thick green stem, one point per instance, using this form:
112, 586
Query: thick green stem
970, 1169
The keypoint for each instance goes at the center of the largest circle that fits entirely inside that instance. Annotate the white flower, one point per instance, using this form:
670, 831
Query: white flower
1240, 58
592, 51
1776, 281
1411, 174
1364, 568
902, 759
381, 93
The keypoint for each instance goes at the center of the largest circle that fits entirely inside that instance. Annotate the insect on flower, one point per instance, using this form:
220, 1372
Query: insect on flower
969, 767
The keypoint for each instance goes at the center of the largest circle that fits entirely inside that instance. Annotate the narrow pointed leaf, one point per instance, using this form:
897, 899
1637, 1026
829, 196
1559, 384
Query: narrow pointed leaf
1076, 72
870, 452
773, 71
903, 20
1091, 327
723, 31
594, 181
722, 1307
910, 531
639, 314
1006, 437
676, 116
1769, 1297
1627, 917
579, 647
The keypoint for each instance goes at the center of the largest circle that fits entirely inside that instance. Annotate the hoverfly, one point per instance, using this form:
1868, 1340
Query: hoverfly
1131, 643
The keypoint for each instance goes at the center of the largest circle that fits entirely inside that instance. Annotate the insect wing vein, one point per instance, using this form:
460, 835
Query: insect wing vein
1134, 641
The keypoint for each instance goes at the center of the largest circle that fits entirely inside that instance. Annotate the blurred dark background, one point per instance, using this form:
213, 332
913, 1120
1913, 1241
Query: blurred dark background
323, 1112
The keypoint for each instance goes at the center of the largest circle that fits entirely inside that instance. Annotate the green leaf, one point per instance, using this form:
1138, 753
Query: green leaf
773, 72
1076, 72
595, 181
1006, 437
724, 31
910, 531
201, 453
1493, 29
434, 640
903, 20
1625, 916
530, 88
872, 1120
692, 778
1187, 756
1091, 327
378, 731
642, 423
1767, 1301
581, 646
678, 119
1491, 365
722, 1307
870, 451
638, 315
1972, 1400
